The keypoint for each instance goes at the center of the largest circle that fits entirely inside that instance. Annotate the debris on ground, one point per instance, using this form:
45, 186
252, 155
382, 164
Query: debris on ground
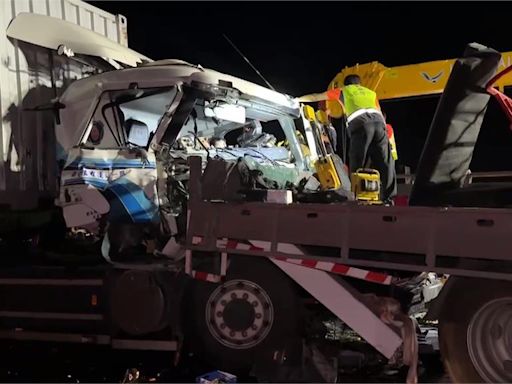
216, 377
132, 375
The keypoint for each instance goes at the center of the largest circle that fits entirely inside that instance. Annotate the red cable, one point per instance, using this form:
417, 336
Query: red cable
504, 101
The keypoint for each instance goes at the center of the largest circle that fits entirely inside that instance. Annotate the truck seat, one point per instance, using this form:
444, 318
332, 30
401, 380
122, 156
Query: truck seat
138, 132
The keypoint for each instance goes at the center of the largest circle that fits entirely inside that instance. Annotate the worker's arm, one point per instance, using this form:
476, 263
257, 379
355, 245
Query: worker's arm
331, 94
313, 97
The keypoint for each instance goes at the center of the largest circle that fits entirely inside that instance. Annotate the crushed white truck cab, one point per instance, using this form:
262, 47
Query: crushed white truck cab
124, 133
121, 132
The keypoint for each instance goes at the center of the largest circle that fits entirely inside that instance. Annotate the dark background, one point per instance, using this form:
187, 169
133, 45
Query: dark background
300, 46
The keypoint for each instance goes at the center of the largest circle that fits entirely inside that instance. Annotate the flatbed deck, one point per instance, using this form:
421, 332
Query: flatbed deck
458, 241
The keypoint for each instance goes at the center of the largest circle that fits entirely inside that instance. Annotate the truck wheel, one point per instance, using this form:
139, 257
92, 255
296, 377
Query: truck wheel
475, 331
253, 315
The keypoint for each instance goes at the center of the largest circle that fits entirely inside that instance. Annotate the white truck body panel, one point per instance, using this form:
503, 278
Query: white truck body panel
53, 33
27, 143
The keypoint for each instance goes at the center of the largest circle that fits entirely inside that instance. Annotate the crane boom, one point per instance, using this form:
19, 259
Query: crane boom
410, 80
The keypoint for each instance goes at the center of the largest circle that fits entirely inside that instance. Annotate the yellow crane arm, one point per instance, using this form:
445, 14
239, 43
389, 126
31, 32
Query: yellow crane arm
427, 78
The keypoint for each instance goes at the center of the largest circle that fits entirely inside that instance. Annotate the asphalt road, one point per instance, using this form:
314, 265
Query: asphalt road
33, 362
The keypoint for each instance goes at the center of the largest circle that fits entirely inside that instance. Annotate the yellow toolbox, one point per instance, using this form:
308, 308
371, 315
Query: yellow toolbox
327, 173
366, 185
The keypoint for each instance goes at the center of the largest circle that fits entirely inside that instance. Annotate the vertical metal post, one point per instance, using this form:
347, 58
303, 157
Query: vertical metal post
223, 263
344, 138
188, 262
195, 164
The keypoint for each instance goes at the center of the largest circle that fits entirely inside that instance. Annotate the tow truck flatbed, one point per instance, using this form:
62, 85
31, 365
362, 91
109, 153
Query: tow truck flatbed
458, 241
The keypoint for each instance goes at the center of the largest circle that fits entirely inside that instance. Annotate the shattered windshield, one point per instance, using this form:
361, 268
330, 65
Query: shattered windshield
200, 127
264, 137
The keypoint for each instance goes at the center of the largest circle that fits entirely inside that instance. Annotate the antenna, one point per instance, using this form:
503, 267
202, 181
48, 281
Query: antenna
248, 62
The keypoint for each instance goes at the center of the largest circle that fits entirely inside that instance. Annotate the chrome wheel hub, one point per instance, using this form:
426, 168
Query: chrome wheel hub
239, 314
489, 339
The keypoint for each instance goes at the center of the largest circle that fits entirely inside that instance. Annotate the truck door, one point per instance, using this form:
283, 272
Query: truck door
112, 171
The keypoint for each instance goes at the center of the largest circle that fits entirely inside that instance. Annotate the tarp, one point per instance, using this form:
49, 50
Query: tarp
454, 130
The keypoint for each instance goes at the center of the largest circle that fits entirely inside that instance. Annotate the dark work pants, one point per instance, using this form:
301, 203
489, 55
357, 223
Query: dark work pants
368, 139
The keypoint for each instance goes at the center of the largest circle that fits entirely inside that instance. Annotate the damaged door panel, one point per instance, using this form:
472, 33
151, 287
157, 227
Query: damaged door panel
112, 175
126, 180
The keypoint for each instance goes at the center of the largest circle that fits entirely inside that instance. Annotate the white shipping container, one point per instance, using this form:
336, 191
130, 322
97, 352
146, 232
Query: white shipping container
31, 76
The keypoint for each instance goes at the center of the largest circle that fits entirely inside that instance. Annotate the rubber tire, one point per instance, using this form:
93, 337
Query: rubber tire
465, 298
285, 331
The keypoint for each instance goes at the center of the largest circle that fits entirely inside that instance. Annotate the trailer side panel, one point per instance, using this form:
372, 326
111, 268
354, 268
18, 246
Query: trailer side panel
31, 76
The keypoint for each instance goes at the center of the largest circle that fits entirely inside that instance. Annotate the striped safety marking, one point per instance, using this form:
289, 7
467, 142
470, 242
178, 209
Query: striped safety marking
340, 269
256, 245
205, 276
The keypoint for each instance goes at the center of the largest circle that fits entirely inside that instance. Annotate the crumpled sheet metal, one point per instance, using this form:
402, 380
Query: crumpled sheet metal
389, 311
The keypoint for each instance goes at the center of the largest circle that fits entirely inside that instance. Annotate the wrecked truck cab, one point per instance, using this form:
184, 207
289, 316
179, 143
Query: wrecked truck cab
126, 136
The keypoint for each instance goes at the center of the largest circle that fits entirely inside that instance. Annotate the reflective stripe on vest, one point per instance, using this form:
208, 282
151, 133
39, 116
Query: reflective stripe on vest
360, 112
357, 97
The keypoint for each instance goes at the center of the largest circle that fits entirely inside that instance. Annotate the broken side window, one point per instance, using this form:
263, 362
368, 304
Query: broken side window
128, 118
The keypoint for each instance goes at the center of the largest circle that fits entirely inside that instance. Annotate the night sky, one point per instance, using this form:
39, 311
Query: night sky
300, 46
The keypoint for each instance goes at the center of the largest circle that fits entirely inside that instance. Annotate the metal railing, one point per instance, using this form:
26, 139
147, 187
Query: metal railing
408, 178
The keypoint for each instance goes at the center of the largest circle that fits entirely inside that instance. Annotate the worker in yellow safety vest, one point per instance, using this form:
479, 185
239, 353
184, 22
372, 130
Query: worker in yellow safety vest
366, 130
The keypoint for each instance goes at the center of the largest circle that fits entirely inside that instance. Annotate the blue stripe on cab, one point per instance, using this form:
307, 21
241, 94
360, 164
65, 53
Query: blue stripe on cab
113, 164
140, 208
